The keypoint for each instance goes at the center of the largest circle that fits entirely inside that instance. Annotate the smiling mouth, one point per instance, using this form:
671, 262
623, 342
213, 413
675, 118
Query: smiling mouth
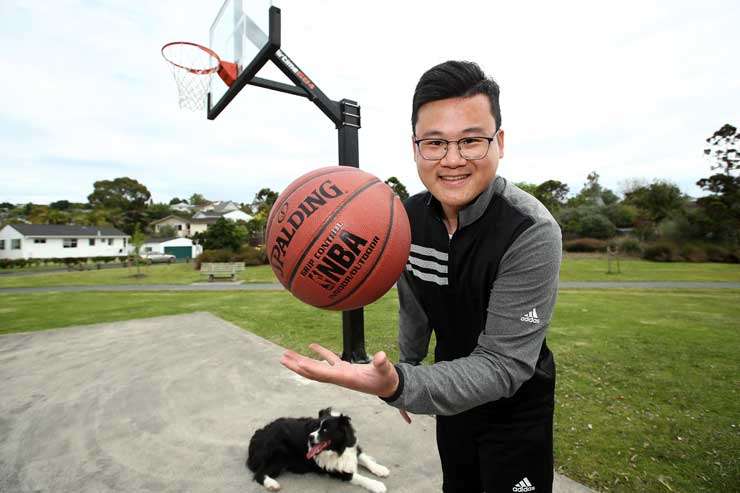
453, 178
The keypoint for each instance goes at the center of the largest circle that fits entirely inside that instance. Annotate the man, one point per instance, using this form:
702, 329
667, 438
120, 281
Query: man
483, 274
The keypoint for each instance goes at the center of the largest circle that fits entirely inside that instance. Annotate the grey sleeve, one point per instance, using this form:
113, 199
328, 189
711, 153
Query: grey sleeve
508, 348
413, 325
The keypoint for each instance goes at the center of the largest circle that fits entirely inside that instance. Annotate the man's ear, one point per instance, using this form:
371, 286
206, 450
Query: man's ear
500, 139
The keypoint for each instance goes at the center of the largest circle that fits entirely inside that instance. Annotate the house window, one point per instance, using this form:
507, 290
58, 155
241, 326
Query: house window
39, 240
70, 243
179, 227
92, 241
15, 244
110, 241
147, 249
2, 244
124, 243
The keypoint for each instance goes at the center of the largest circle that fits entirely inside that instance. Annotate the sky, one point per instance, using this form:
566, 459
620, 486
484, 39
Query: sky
628, 89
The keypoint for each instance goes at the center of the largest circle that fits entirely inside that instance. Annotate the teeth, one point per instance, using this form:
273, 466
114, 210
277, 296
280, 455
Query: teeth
453, 178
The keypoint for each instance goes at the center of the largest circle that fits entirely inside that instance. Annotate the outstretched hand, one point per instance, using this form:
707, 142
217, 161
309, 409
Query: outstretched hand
377, 378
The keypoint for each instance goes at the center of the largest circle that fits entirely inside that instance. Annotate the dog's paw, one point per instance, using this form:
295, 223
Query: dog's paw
376, 486
372, 485
380, 471
271, 484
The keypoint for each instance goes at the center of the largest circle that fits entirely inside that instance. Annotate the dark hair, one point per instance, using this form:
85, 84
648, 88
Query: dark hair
455, 79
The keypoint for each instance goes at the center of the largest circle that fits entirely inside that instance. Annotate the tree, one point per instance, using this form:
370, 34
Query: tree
198, 199
659, 199
260, 211
721, 209
530, 188
61, 205
723, 147
7, 206
223, 234
137, 240
122, 193
178, 201
552, 194
586, 222
264, 200
622, 215
397, 187
593, 193
157, 211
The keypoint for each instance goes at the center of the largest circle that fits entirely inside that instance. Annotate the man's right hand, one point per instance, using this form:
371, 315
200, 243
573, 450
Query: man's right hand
405, 415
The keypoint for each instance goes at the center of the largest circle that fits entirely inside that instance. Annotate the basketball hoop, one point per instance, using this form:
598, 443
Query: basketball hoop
192, 67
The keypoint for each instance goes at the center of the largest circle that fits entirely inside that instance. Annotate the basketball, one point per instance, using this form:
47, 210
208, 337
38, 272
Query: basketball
338, 238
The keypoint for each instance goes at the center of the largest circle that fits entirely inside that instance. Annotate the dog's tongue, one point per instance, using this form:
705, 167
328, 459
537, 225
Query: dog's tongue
316, 449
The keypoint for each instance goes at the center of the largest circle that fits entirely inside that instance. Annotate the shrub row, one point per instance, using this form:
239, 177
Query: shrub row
250, 255
666, 251
662, 251
7, 263
585, 245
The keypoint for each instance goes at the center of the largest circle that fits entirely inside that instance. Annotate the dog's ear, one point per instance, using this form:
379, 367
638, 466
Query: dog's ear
324, 413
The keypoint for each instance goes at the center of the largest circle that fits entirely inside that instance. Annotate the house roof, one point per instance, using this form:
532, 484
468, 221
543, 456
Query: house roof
205, 220
172, 216
65, 230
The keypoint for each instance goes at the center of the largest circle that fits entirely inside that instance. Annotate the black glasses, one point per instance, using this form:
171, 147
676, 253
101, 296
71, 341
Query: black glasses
470, 148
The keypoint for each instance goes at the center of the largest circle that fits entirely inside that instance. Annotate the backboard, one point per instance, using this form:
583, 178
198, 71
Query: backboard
240, 34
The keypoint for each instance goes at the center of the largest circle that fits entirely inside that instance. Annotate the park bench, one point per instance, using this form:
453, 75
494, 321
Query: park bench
221, 269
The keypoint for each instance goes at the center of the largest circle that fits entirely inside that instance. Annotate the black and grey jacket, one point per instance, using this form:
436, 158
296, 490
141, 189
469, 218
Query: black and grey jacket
488, 292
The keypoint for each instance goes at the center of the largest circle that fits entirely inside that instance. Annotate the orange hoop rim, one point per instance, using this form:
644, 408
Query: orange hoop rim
199, 71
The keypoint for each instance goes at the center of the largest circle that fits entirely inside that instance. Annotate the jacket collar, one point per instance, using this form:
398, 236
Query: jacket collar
475, 209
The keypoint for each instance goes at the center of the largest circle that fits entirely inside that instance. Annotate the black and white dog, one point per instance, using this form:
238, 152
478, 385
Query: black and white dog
327, 445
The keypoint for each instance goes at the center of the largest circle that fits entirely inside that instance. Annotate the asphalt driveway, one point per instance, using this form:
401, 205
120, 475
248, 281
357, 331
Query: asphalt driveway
168, 404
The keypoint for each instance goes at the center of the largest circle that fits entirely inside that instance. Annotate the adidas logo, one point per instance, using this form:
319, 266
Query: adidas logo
531, 317
523, 485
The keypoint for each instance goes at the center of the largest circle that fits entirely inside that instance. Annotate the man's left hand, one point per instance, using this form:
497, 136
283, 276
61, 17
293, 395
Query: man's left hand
377, 378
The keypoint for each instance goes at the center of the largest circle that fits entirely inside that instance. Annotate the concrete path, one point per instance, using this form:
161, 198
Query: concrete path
168, 404
232, 286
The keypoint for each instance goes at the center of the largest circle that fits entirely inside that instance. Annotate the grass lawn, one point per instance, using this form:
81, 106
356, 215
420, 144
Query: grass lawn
575, 268
647, 396
594, 268
152, 274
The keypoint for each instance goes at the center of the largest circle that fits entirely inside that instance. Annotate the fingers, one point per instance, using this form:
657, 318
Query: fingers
325, 354
405, 415
306, 367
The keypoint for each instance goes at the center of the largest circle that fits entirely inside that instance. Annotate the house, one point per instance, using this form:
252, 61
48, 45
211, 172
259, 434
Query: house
202, 219
228, 209
182, 207
179, 224
182, 248
61, 241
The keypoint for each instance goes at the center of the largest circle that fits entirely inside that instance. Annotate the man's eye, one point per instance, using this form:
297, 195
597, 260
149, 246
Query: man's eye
435, 143
470, 141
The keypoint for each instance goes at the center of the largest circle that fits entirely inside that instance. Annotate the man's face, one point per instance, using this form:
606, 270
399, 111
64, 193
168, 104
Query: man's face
454, 180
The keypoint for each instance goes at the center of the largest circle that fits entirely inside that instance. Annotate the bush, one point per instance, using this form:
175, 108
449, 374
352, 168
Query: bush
251, 255
630, 246
586, 222
693, 253
585, 245
660, 252
622, 215
222, 255
717, 253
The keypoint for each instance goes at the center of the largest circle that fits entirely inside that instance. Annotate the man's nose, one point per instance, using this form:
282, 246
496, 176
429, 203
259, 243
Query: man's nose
453, 157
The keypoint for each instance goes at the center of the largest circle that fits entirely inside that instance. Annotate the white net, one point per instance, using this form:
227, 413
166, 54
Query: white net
192, 67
